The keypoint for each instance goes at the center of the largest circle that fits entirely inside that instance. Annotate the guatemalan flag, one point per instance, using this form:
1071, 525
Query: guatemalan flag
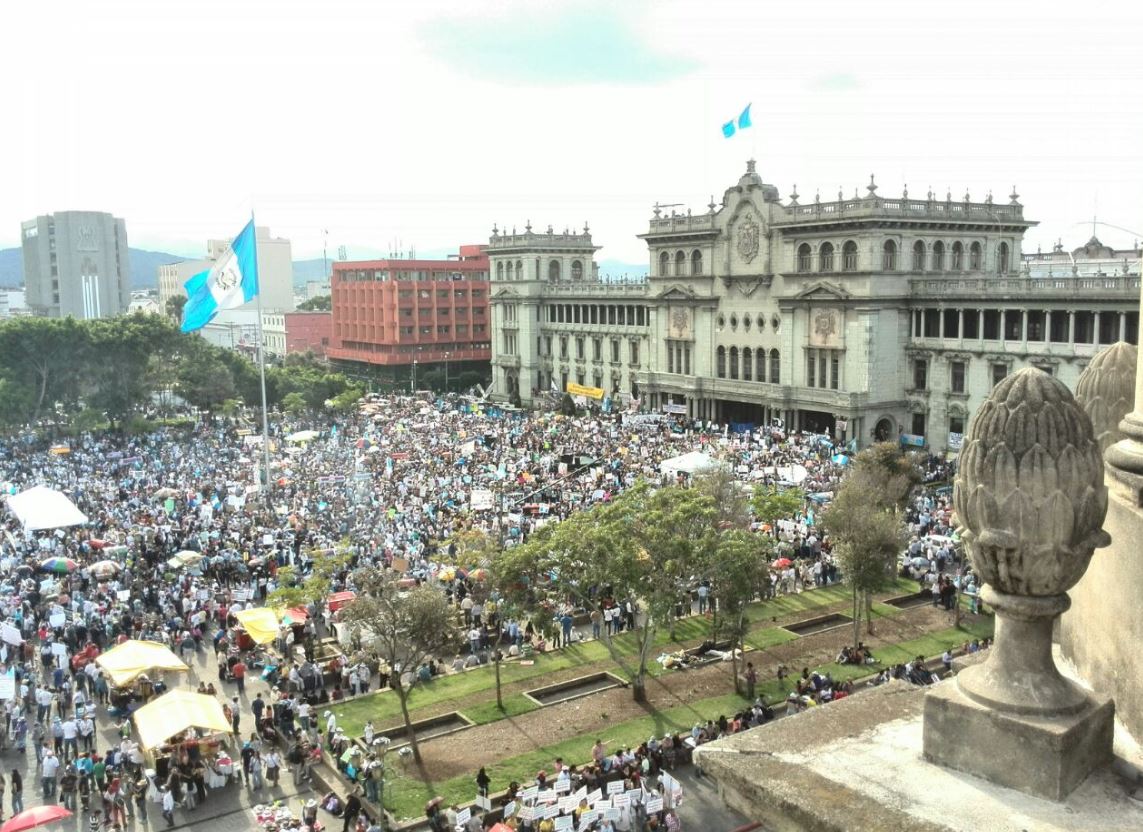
230, 283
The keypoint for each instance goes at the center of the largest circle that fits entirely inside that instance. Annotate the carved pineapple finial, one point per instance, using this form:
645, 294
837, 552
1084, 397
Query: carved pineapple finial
1106, 391
1030, 490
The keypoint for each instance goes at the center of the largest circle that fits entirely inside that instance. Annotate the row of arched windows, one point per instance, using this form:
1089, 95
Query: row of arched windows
515, 271
940, 258
681, 262
752, 363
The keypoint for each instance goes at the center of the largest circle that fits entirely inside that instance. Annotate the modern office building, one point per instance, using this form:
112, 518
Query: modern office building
865, 317
76, 263
395, 314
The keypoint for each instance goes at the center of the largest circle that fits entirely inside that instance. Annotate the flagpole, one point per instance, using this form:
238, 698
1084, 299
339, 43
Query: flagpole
262, 373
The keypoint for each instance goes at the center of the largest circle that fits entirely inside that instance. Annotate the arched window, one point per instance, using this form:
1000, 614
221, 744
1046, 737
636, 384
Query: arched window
918, 256
696, 262
805, 258
889, 256
849, 257
974, 257
499, 271
775, 368
747, 364
554, 270
957, 257
734, 362
1002, 259
680, 263
825, 257
664, 265
721, 359
938, 256
577, 270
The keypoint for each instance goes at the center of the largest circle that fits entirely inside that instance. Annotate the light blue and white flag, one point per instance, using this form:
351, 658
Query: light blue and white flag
231, 282
728, 129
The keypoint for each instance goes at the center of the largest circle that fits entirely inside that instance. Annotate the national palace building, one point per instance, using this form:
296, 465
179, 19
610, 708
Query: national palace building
868, 317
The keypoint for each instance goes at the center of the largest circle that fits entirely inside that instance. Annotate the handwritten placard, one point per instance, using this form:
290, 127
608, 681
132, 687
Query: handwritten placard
564, 822
655, 804
530, 793
462, 816
551, 810
620, 801
611, 814
592, 797
635, 795
526, 813
510, 809
615, 787
562, 786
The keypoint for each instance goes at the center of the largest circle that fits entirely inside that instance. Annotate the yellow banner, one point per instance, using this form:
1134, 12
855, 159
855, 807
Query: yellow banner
579, 390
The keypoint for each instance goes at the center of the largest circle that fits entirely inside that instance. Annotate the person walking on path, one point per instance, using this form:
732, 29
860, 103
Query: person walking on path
169, 807
17, 792
352, 810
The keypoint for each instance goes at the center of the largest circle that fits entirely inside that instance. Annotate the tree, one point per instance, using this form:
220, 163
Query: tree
477, 550
322, 303
174, 307
405, 627
771, 504
644, 545
204, 379
889, 474
44, 361
117, 378
736, 567
868, 535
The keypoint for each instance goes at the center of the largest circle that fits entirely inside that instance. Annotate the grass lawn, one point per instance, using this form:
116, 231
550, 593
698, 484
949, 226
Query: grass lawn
485, 712
768, 637
406, 797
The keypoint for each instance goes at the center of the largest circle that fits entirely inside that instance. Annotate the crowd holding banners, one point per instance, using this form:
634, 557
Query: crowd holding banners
180, 543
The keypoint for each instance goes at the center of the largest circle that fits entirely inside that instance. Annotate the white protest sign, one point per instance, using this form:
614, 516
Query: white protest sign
592, 797
655, 804
462, 816
615, 787
481, 499
123, 594
510, 809
57, 619
562, 786
611, 814
8, 685
483, 802
551, 811
11, 635
530, 793
620, 800
564, 822
526, 813
59, 649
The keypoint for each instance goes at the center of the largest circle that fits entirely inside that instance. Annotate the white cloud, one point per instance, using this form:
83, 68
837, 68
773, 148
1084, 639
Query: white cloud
345, 115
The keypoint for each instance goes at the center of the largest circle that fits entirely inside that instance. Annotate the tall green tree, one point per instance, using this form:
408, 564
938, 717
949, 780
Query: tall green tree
405, 627
44, 359
202, 376
771, 504
736, 566
117, 380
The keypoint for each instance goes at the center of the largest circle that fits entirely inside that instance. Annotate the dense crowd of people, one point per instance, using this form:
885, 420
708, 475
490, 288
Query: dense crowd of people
390, 485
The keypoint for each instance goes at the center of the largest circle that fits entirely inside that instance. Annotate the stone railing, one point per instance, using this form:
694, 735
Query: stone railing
530, 238
682, 222
1062, 287
594, 288
920, 208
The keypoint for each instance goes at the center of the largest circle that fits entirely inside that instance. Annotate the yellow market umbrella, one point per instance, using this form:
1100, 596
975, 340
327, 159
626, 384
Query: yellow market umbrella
128, 661
174, 712
261, 623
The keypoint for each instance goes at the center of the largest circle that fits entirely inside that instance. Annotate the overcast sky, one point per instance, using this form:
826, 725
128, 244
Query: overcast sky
428, 121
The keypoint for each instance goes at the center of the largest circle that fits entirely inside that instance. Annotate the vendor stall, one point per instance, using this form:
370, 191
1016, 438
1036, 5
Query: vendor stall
126, 662
185, 730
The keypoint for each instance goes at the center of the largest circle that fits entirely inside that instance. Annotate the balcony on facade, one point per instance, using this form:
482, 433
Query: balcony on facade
603, 288
914, 209
532, 241
1027, 288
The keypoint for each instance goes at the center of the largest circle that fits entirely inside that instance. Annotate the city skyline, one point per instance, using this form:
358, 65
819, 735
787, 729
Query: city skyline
559, 114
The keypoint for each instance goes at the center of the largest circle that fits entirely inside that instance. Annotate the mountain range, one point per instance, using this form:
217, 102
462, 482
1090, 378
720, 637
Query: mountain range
145, 268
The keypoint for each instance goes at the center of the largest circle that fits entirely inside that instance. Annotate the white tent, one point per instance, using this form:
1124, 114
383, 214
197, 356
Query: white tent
42, 508
794, 474
694, 462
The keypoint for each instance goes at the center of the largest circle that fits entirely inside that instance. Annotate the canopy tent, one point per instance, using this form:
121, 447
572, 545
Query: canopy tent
261, 623
184, 558
793, 474
42, 508
176, 711
695, 462
303, 436
128, 661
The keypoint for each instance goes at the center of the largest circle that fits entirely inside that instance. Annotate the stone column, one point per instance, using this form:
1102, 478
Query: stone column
1013, 719
980, 324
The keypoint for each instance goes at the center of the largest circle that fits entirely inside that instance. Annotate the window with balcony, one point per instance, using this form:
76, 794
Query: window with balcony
974, 257
991, 324
834, 369
720, 361
938, 256
579, 348
633, 346
696, 262
811, 368
1013, 325
957, 257
1037, 329
957, 371
971, 319
999, 373
664, 265
918, 424
564, 347
680, 263
554, 270
825, 257
775, 367
920, 374
918, 256
849, 256
577, 271
596, 349
734, 362
747, 364
805, 258
1002, 259
499, 271
889, 256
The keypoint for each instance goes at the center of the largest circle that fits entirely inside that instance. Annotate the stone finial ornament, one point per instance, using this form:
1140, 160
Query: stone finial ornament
1106, 391
1031, 499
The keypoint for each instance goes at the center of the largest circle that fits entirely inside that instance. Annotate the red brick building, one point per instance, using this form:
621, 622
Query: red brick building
394, 313
308, 332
